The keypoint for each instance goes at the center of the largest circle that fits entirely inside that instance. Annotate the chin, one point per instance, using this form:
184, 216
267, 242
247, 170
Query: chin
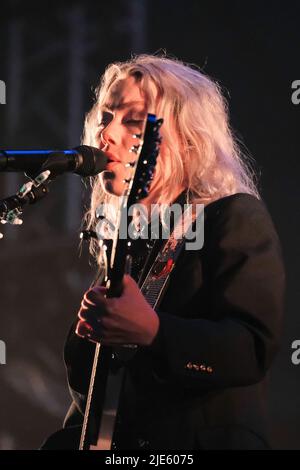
110, 187
110, 183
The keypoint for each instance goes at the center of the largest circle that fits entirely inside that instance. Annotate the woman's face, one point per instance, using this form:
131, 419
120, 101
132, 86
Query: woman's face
121, 116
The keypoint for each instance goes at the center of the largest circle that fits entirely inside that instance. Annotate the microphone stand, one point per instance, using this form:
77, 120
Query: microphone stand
85, 161
11, 208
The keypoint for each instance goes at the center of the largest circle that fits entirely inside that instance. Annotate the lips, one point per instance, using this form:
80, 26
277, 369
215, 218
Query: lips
111, 164
112, 158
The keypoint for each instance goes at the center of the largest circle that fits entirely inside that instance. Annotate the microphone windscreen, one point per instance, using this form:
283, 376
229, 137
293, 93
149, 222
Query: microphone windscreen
93, 160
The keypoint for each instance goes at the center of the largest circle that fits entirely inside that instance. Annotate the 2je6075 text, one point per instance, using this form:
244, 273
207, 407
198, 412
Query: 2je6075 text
152, 459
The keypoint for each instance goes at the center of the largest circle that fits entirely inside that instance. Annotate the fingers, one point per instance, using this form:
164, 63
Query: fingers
128, 280
96, 335
83, 329
129, 285
94, 296
90, 313
90, 319
105, 319
93, 304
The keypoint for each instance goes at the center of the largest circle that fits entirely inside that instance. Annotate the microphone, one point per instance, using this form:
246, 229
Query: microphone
82, 160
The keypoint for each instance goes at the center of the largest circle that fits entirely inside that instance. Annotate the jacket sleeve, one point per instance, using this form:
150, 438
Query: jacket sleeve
247, 282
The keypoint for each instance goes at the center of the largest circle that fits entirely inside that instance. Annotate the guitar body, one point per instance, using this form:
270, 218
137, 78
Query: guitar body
64, 439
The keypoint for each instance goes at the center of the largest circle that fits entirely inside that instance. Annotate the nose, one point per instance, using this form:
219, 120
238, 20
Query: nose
110, 134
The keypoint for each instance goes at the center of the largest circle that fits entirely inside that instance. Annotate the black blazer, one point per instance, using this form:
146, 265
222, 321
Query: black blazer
202, 383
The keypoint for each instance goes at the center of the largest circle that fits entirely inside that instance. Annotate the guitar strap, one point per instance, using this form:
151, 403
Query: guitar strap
155, 283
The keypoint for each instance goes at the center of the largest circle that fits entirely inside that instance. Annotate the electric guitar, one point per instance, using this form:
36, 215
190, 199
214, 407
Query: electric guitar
107, 374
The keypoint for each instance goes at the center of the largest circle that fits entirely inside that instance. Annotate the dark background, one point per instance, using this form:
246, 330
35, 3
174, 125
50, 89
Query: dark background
51, 56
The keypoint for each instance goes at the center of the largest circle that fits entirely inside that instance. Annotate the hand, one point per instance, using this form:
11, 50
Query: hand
128, 319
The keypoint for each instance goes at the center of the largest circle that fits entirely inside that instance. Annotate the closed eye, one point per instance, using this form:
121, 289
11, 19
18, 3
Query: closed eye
134, 122
106, 118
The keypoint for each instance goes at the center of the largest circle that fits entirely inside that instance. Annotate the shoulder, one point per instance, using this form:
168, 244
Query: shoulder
239, 208
241, 219
236, 204
241, 242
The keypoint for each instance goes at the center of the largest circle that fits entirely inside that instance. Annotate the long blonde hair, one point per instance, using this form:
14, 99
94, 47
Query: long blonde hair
205, 156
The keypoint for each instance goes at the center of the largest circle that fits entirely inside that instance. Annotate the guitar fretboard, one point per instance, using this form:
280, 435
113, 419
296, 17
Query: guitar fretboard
152, 289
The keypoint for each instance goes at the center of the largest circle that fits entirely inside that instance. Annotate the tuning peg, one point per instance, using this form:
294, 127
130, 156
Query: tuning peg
134, 149
143, 192
158, 123
130, 164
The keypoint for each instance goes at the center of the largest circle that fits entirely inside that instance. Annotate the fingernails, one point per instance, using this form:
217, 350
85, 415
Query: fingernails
83, 329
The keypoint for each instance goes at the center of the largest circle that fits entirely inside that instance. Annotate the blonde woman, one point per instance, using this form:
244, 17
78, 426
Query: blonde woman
198, 378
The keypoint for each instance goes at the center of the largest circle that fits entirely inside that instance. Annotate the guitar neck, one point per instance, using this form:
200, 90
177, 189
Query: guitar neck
107, 375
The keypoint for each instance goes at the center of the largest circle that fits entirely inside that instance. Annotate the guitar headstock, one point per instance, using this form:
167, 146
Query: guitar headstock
147, 151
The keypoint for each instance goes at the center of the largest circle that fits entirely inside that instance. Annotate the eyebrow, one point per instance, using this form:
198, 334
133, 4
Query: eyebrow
120, 106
